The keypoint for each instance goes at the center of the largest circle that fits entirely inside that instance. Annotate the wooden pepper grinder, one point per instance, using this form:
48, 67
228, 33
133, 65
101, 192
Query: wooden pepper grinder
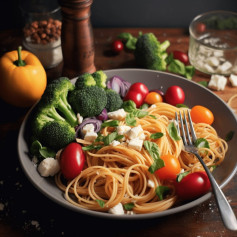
77, 38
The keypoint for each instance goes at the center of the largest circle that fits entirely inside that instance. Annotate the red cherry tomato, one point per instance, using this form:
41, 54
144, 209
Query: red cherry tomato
181, 56
201, 27
72, 160
201, 114
171, 169
193, 185
139, 87
174, 95
153, 97
134, 96
117, 46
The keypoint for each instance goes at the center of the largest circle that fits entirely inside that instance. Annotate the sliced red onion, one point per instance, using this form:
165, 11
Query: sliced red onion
97, 125
103, 116
158, 91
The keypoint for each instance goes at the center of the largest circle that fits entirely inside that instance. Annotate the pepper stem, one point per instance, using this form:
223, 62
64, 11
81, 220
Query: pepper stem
19, 62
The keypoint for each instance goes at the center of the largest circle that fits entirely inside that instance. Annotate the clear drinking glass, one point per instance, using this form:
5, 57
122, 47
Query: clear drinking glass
213, 42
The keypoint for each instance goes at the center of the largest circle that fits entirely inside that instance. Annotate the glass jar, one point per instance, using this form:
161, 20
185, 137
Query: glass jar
42, 31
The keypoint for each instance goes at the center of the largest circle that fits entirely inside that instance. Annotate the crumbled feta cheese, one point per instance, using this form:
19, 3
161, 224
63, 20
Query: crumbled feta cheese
121, 130
217, 82
117, 210
233, 79
223, 68
208, 68
79, 118
150, 183
118, 114
134, 132
218, 53
135, 144
213, 61
88, 128
90, 136
48, 167
114, 143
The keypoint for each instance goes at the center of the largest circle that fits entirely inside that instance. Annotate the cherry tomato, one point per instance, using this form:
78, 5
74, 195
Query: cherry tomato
174, 95
201, 114
153, 97
135, 96
201, 27
171, 169
117, 46
139, 87
193, 185
181, 56
72, 160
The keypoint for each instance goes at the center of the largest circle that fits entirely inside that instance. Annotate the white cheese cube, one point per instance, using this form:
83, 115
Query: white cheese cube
208, 68
134, 132
135, 144
223, 68
233, 79
117, 210
213, 61
150, 184
114, 143
218, 53
90, 136
121, 130
88, 128
48, 167
217, 82
79, 118
117, 115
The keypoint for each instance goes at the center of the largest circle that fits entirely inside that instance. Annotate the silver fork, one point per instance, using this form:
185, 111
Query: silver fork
225, 209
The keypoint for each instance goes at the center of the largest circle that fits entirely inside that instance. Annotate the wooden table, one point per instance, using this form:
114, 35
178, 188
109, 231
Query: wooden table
24, 211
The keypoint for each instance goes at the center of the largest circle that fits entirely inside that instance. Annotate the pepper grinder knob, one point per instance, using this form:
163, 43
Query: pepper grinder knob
77, 38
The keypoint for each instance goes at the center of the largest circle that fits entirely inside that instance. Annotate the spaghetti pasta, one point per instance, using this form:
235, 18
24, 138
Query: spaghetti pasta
120, 174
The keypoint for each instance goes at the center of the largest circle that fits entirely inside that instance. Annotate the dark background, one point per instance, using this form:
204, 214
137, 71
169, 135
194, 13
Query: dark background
128, 13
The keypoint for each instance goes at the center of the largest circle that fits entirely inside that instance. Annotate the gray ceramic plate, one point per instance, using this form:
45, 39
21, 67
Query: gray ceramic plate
225, 121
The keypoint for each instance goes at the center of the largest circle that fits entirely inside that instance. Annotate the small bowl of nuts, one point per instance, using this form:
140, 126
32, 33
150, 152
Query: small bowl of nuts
213, 42
42, 34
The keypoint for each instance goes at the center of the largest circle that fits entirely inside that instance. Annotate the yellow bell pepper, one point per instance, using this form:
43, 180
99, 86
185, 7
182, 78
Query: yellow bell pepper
22, 78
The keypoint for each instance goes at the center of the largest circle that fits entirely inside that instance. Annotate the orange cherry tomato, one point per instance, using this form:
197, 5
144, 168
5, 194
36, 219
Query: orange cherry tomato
171, 169
201, 114
153, 97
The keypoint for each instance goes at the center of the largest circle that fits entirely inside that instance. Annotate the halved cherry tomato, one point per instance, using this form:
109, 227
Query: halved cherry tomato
153, 97
193, 185
174, 95
201, 114
181, 56
134, 96
72, 160
171, 169
117, 46
139, 87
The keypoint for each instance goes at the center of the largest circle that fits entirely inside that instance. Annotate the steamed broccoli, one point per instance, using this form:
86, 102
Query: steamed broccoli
57, 134
114, 101
85, 80
88, 102
150, 53
100, 78
55, 97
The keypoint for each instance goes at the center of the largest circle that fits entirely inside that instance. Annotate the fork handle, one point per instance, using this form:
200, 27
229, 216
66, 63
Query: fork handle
226, 212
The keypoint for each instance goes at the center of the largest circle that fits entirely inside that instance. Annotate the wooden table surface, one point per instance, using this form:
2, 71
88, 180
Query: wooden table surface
24, 211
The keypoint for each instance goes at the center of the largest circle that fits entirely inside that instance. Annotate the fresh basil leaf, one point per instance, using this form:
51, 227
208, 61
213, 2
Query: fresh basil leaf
129, 106
35, 147
129, 206
177, 67
125, 36
182, 175
101, 203
156, 135
113, 123
173, 132
189, 71
99, 138
154, 152
144, 106
130, 120
91, 147
181, 106
139, 113
201, 143
109, 138
47, 152
229, 136
131, 43
162, 191
152, 116
203, 83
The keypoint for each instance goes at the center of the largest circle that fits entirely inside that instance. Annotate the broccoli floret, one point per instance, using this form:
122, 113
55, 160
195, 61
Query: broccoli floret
85, 80
55, 98
150, 53
57, 134
88, 102
114, 101
100, 78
